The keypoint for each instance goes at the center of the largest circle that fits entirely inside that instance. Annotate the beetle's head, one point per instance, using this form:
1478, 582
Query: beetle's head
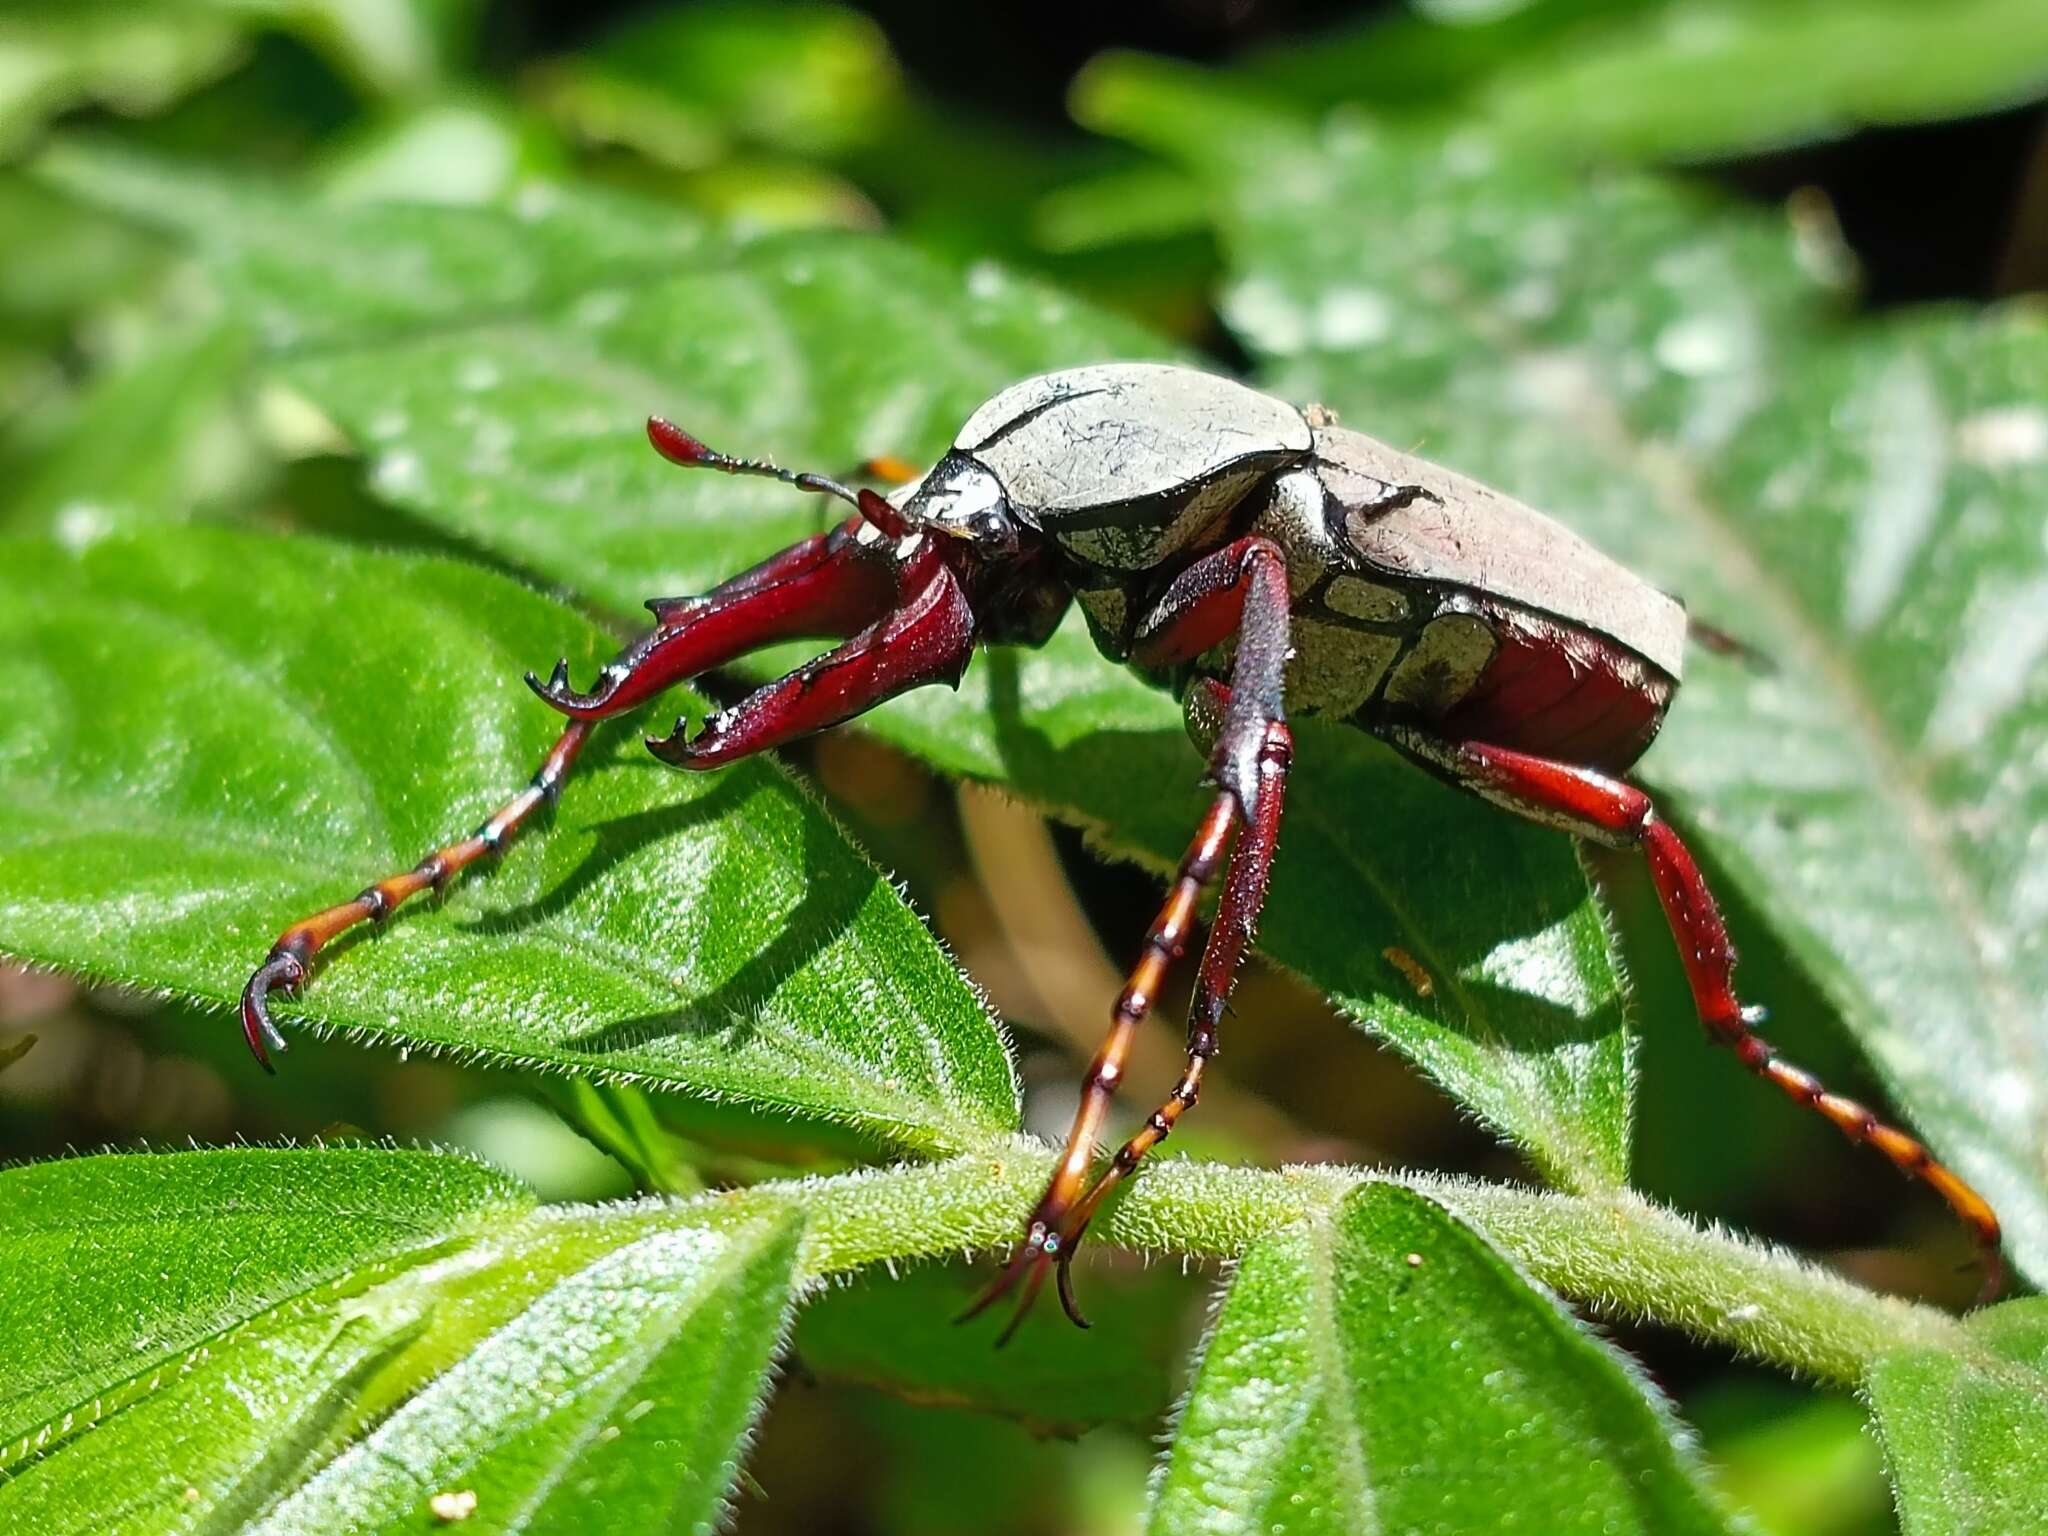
1010, 571
961, 499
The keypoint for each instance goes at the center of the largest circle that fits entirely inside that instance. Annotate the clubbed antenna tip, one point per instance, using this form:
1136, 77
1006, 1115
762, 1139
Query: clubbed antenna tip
679, 447
676, 445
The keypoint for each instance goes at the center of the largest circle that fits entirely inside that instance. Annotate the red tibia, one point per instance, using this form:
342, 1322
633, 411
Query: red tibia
797, 559
1621, 816
829, 585
927, 637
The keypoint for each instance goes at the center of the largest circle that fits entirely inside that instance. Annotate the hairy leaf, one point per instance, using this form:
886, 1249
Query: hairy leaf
119, 1265
516, 1362
1384, 1369
206, 735
518, 426
629, 1387
1966, 1432
1860, 501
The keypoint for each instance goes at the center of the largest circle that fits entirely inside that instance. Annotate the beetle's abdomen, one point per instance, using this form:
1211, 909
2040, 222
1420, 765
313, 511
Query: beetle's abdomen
1561, 692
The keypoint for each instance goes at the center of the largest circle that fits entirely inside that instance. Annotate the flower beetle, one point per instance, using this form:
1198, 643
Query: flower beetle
1259, 560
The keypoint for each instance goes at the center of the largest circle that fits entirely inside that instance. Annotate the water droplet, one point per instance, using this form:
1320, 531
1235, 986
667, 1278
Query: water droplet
1266, 316
1353, 317
82, 524
2004, 436
398, 474
1695, 346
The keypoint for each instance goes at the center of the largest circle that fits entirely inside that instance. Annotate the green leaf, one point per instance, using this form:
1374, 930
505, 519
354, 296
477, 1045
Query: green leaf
897, 1333
1966, 1431
532, 1359
308, 273
629, 1387
1860, 501
1384, 1369
518, 426
59, 54
206, 735
1678, 80
138, 57
117, 1266
1761, 74
681, 85
148, 442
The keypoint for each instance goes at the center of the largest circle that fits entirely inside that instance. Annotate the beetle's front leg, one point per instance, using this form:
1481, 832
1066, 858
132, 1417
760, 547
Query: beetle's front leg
1241, 590
831, 584
1619, 815
827, 586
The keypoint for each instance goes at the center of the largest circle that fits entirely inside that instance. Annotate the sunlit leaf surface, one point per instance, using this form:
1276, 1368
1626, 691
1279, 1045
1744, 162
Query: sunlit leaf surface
1385, 1370
1966, 1434
516, 1365
1859, 500
516, 425
206, 735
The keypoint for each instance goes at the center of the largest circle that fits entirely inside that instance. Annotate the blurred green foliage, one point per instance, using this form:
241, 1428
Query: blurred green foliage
326, 327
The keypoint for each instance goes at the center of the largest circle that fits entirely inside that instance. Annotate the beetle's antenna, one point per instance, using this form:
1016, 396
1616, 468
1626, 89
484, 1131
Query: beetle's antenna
679, 447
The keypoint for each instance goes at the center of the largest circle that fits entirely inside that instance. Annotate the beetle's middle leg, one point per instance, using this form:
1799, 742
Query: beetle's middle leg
1612, 812
1240, 589
1230, 936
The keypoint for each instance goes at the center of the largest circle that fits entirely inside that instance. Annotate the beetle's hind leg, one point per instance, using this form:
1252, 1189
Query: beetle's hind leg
1619, 815
828, 585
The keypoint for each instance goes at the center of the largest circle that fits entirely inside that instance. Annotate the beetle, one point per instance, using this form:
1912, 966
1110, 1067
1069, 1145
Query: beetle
1259, 560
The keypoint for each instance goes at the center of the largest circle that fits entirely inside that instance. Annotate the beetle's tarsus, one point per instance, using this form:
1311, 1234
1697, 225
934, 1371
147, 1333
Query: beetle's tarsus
282, 972
1033, 1282
1043, 1246
1993, 1265
1065, 1276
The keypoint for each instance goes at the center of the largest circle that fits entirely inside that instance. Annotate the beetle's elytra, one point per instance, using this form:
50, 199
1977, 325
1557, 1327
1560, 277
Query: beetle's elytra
1255, 558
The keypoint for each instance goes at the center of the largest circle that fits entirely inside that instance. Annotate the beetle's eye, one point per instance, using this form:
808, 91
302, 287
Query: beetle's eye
994, 530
